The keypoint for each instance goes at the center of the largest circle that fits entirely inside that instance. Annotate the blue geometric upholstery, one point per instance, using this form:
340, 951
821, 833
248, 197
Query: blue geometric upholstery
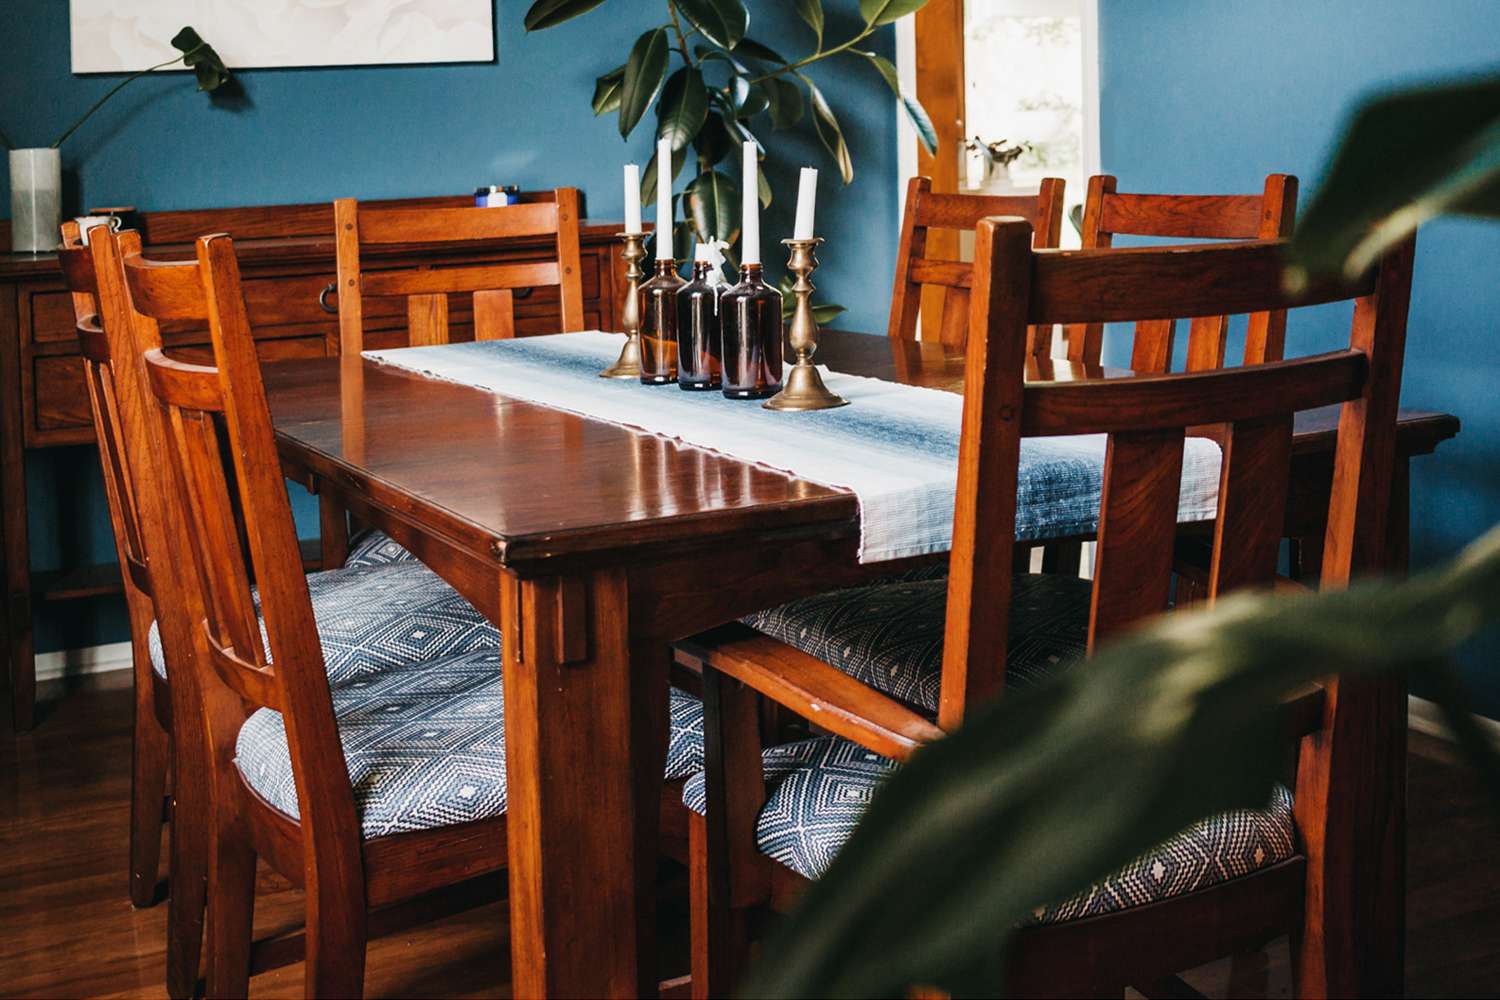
889, 635
372, 618
376, 548
818, 789
425, 745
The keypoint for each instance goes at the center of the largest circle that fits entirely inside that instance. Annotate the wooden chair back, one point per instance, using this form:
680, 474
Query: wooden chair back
1108, 213
926, 211
220, 464
426, 289
119, 484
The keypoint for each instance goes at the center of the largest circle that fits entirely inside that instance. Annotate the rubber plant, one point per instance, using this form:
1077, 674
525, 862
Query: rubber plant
729, 88
914, 901
194, 53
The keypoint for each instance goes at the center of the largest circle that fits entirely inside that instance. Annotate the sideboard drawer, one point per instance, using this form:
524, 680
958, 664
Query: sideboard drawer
61, 413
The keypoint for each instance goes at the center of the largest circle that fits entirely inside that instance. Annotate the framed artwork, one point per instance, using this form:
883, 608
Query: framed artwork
119, 36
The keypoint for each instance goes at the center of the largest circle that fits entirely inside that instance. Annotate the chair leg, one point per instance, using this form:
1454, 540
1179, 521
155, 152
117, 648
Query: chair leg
720, 933
231, 910
187, 884
336, 935
148, 785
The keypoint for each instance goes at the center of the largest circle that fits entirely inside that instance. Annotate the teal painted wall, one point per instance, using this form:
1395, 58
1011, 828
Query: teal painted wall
1211, 96
315, 134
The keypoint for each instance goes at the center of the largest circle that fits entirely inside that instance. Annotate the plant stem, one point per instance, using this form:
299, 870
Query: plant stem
117, 88
681, 38
816, 56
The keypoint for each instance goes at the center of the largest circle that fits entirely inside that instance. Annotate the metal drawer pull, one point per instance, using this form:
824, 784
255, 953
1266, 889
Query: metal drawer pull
332, 286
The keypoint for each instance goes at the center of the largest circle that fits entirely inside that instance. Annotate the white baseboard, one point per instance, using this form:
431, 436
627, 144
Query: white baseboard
1424, 716
84, 660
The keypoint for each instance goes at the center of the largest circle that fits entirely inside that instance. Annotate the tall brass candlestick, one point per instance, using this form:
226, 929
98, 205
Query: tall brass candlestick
629, 363
803, 388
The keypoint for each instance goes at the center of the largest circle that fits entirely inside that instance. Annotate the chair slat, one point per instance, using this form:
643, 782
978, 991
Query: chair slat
1206, 338
1206, 217
1137, 523
1077, 286
1188, 399
1252, 503
494, 314
458, 279
427, 319
955, 329
1153, 346
951, 273
178, 383
166, 290
454, 225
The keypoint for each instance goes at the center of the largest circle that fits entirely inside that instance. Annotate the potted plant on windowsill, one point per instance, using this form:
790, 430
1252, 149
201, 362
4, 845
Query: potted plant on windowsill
36, 173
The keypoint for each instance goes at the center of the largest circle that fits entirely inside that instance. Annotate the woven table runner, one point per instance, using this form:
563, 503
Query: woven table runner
895, 446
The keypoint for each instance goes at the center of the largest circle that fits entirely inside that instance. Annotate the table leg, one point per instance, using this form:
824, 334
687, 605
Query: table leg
15, 615
581, 732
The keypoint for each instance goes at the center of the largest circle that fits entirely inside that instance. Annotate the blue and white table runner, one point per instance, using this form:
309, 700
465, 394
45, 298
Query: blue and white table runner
895, 447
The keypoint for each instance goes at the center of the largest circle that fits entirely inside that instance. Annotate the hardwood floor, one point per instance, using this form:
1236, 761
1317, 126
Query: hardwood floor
67, 927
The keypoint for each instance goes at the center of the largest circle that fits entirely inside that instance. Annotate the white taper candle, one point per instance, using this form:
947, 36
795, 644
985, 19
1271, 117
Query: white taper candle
750, 207
632, 198
664, 199
807, 194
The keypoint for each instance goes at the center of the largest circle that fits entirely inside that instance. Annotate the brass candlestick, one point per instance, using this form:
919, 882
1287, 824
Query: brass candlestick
629, 363
803, 388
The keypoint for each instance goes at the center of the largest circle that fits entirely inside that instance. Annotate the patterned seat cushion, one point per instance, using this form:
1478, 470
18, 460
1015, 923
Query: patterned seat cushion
818, 789
372, 618
376, 548
425, 747
889, 635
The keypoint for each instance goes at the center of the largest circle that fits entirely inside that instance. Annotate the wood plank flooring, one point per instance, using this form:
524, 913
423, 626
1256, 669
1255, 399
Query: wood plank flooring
67, 928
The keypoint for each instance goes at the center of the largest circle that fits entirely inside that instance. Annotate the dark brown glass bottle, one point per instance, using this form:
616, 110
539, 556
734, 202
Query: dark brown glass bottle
750, 317
659, 324
698, 333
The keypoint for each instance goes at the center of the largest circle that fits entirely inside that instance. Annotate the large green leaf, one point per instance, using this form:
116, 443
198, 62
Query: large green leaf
546, 13
886, 11
1405, 158
785, 100
200, 56
715, 141
829, 131
683, 107
1172, 724
913, 108
722, 22
755, 50
749, 98
713, 204
607, 91
811, 11
645, 71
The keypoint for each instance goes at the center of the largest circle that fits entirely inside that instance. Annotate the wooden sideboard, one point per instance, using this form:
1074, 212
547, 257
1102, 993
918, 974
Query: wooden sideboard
287, 259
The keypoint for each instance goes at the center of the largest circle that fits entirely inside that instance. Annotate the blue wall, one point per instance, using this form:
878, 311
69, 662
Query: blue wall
315, 134
1212, 96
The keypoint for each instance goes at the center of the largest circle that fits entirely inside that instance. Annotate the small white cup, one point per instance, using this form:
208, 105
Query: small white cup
85, 222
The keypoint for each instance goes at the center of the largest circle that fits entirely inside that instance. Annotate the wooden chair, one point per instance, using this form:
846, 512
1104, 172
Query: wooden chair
915, 270
319, 777
1107, 214
426, 290
1331, 874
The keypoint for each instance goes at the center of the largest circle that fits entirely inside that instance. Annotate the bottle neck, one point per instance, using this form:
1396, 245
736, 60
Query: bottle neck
752, 274
701, 269
665, 267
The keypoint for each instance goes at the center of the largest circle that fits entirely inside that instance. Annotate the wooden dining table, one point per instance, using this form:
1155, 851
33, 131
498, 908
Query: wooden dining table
593, 547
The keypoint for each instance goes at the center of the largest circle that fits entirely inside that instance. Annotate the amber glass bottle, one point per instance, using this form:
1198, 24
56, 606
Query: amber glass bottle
698, 331
659, 324
750, 317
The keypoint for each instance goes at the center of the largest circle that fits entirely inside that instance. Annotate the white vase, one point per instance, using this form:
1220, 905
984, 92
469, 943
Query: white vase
35, 200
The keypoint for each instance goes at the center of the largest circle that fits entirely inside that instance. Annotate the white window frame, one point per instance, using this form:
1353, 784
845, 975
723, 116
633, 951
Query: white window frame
906, 70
